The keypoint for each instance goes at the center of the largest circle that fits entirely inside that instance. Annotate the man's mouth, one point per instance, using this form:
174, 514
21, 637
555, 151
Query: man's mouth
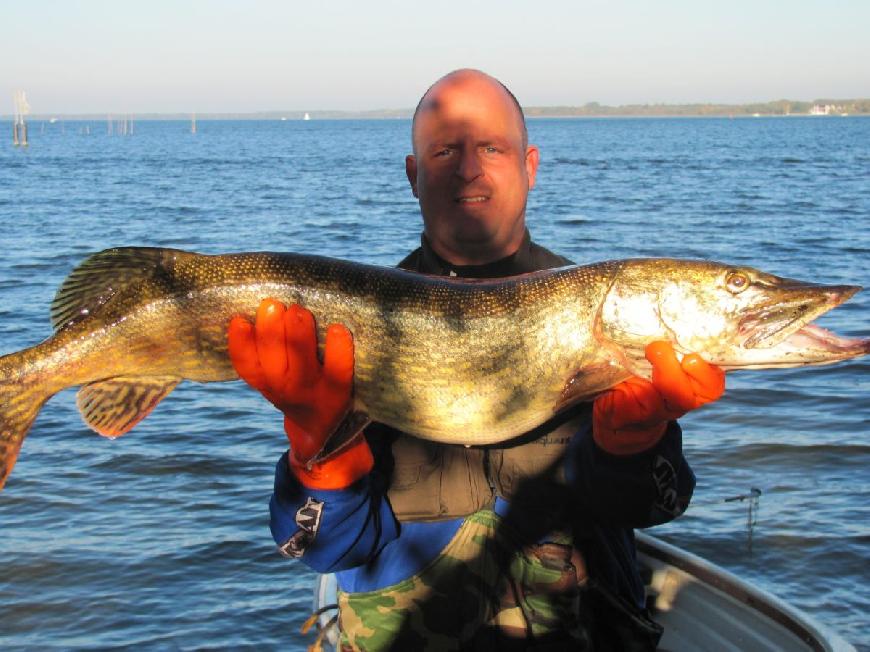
474, 199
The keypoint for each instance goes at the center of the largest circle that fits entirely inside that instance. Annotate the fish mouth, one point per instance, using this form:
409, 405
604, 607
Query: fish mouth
791, 305
815, 337
780, 330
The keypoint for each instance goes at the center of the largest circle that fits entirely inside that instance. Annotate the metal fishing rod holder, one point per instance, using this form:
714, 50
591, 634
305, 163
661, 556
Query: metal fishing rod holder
752, 504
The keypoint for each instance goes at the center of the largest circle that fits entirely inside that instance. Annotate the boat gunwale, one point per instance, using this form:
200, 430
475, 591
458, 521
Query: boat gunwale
802, 625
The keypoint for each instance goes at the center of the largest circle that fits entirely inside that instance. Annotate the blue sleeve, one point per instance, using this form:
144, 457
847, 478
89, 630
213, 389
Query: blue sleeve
632, 491
330, 530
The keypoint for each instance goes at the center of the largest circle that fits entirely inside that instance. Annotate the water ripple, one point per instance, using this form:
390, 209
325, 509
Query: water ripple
160, 540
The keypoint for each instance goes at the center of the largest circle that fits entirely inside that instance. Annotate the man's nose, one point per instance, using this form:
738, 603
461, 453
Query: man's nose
469, 166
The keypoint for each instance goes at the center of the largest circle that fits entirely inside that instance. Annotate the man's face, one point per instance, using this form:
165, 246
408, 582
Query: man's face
471, 170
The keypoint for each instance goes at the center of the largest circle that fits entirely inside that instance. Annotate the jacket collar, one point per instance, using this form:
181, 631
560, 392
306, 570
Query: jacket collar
518, 262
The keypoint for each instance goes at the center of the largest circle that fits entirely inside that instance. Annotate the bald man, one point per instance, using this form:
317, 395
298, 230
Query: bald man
523, 545
472, 169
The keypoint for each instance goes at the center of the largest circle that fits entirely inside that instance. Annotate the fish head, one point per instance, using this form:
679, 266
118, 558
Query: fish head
733, 316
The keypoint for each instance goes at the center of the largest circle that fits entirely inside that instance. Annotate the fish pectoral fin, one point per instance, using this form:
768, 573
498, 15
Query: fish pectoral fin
354, 422
112, 407
589, 382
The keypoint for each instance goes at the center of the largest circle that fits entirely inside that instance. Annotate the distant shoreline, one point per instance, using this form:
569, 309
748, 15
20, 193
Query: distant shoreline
783, 108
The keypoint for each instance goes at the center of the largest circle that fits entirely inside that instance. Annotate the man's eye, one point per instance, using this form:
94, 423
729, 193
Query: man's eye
491, 149
443, 152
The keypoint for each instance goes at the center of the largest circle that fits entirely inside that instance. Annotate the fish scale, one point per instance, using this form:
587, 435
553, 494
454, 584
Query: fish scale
458, 361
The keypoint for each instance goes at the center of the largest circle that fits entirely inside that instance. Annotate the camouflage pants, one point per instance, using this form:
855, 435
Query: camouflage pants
482, 590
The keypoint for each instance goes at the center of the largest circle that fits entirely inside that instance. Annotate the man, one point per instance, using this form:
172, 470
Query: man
526, 545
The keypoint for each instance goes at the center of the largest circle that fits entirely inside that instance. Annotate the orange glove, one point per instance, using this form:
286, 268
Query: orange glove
277, 355
633, 416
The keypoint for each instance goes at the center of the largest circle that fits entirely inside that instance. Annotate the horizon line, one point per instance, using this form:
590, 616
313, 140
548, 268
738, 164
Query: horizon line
589, 108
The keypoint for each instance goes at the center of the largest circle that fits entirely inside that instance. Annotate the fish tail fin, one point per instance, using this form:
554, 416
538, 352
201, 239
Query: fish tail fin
21, 399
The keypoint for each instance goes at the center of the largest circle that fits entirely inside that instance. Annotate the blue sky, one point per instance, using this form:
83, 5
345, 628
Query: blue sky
98, 56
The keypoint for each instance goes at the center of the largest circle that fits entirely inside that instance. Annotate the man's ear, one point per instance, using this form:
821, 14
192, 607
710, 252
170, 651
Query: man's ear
411, 171
533, 157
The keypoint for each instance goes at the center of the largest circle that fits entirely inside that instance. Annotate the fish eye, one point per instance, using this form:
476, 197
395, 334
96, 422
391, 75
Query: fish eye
736, 282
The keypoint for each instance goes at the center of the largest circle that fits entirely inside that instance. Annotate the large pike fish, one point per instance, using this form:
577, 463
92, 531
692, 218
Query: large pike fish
456, 361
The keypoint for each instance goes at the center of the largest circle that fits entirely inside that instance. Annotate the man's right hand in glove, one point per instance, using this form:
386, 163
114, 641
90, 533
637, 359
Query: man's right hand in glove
277, 355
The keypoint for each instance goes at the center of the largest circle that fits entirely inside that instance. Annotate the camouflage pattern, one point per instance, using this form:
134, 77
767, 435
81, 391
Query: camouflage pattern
483, 588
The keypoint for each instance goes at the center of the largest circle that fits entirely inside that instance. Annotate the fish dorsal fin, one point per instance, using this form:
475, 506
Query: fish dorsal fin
103, 275
112, 407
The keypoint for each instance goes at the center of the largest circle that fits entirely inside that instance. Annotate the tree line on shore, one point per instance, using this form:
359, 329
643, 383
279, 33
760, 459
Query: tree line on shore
777, 107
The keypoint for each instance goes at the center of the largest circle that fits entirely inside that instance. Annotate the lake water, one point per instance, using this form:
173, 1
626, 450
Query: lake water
160, 540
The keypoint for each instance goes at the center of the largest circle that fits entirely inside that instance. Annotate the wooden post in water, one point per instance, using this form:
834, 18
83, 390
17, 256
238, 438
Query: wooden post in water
15, 120
19, 125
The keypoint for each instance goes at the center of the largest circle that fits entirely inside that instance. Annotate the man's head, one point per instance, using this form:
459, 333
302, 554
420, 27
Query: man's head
472, 168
